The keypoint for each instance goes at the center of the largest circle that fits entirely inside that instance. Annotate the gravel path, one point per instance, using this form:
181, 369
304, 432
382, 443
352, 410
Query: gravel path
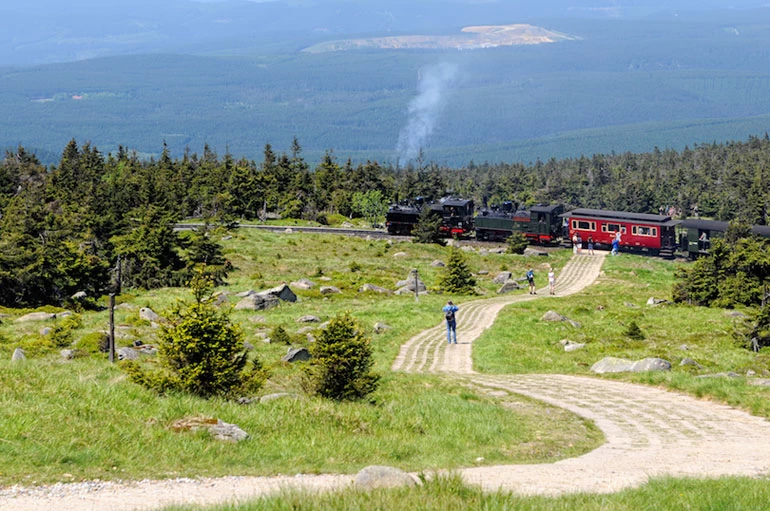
649, 432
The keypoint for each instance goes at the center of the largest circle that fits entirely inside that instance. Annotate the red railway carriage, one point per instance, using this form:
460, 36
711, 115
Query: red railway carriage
638, 231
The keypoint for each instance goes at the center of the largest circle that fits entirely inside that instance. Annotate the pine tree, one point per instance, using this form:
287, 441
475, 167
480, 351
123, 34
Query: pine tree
457, 277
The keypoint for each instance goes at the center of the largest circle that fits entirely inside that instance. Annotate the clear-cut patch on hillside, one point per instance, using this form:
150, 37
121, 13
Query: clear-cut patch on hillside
475, 37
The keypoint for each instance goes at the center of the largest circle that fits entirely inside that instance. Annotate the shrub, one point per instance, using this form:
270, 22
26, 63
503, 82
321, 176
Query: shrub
517, 243
634, 332
279, 335
62, 332
340, 368
201, 352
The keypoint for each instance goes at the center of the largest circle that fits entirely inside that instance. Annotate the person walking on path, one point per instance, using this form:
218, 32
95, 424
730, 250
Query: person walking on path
590, 245
552, 281
531, 280
615, 245
575, 243
451, 322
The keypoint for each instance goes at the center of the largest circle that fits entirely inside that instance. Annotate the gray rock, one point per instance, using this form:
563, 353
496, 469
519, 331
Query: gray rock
308, 319
651, 364
18, 355
400, 254
278, 395
220, 298
612, 365
410, 283
36, 316
80, 295
553, 316
377, 476
128, 354
304, 284
508, 286
257, 302
502, 277
227, 432
736, 314
380, 327
529, 252
483, 272
306, 329
64, 314
282, 292
760, 382
244, 294
296, 355
45, 331
573, 346
630, 305
248, 346
653, 302
498, 250
409, 291
374, 289
68, 354
438, 264
288, 230
730, 374
329, 290
148, 314
690, 362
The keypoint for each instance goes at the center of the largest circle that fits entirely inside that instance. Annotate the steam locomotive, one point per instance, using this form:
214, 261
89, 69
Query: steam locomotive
546, 224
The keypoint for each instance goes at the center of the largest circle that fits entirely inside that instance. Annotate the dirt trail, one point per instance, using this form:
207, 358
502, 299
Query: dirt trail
649, 432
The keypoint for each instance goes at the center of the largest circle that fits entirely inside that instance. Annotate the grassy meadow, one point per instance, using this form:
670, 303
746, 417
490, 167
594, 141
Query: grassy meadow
81, 419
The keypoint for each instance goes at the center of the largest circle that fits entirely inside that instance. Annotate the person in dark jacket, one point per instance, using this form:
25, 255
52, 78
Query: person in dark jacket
451, 322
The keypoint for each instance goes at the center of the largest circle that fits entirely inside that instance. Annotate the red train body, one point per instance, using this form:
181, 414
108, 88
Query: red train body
638, 231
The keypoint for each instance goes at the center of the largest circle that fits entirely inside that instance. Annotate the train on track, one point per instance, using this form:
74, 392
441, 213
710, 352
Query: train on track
550, 224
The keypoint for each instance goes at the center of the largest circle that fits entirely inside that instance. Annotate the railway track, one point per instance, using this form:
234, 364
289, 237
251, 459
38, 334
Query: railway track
361, 233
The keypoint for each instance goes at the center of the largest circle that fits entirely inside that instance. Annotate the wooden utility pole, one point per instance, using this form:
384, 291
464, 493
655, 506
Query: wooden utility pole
112, 328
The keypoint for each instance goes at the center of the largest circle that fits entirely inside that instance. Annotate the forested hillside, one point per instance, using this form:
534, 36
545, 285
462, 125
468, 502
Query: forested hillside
62, 230
619, 85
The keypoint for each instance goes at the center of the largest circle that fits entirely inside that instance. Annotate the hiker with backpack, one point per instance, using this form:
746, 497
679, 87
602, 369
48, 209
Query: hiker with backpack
451, 322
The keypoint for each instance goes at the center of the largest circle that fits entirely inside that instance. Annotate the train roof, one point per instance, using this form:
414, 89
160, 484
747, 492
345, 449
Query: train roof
704, 225
601, 214
547, 208
457, 202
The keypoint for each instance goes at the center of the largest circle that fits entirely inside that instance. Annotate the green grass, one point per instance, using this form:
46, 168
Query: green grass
83, 419
449, 494
519, 342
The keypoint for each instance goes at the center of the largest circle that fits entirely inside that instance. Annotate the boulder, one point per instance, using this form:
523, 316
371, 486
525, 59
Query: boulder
128, 354
288, 230
377, 476
374, 289
257, 302
438, 264
296, 355
282, 292
18, 355
80, 295
553, 316
570, 346
502, 277
45, 331
244, 294
219, 429
68, 354
36, 316
329, 290
483, 272
653, 302
304, 284
400, 254
620, 365
630, 305
220, 298
148, 314
690, 362
529, 252
306, 330
380, 327
308, 319
509, 286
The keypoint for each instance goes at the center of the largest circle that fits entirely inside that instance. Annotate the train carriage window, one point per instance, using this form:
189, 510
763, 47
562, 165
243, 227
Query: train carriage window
640, 230
613, 228
584, 225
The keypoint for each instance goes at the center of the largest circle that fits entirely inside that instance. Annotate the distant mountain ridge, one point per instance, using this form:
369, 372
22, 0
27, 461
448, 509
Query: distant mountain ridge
470, 38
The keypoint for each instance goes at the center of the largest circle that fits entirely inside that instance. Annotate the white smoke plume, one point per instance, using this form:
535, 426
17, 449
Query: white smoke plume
425, 109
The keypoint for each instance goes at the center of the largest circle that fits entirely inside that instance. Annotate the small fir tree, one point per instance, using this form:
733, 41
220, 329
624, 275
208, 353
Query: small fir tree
201, 352
426, 229
457, 278
517, 243
340, 368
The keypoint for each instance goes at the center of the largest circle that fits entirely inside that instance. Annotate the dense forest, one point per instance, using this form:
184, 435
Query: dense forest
70, 227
